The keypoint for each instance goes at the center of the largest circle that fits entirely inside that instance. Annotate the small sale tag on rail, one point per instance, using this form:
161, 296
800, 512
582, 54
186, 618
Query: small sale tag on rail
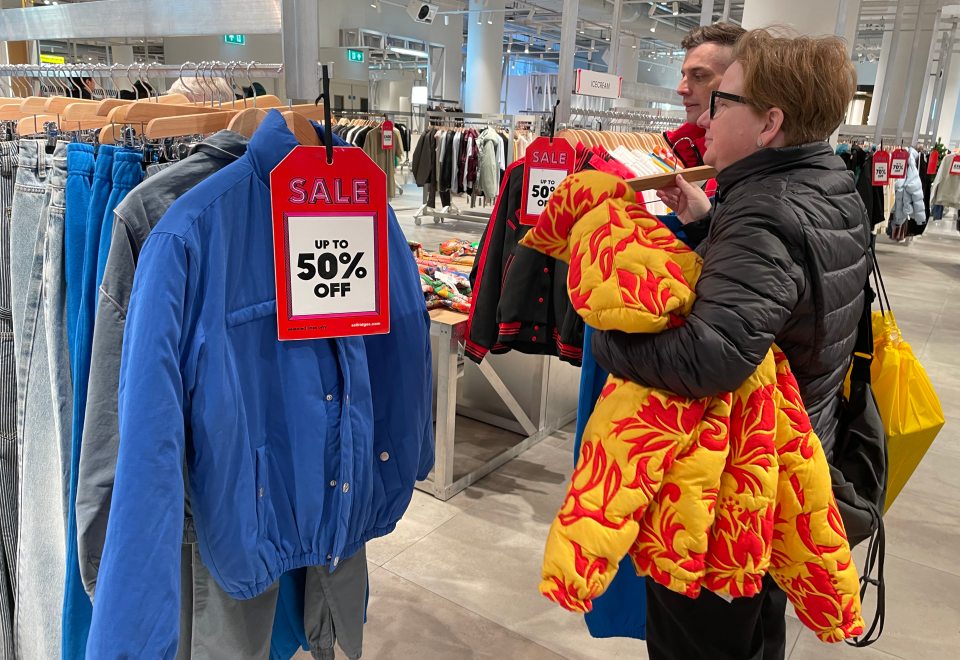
330, 244
546, 164
881, 168
898, 163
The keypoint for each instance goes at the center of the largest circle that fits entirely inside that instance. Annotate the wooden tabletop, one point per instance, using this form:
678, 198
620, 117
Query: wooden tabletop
447, 316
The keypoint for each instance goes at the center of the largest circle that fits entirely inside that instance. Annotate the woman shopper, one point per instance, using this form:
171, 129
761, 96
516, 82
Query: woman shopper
785, 261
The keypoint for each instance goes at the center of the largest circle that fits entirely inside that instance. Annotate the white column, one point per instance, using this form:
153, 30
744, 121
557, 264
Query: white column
568, 48
484, 56
886, 46
628, 66
948, 110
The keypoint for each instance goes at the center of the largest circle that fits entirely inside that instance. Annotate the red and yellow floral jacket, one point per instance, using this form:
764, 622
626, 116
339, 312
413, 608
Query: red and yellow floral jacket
702, 493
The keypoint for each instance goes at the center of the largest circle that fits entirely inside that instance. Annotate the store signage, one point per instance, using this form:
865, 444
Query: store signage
955, 166
237, 39
386, 130
330, 244
881, 168
593, 83
898, 163
933, 162
546, 164
354, 55
52, 59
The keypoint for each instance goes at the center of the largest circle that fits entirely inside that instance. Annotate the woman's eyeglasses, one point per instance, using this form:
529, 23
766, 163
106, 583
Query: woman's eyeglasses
717, 94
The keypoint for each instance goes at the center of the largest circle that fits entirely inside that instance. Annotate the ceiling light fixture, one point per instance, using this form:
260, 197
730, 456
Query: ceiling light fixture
446, 19
490, 18
526, 49
676, 8
653, 28
409, 51
653, 9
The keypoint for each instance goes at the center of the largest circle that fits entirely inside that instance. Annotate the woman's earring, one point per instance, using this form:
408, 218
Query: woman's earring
760, 142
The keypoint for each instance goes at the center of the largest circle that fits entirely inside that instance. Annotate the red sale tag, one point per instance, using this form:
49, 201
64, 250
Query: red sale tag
330, 244
955, 166
898, 164
547, 164
934, 161
386, 130
881, 168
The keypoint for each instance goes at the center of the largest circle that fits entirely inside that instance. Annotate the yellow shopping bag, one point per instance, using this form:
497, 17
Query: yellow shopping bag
910, 409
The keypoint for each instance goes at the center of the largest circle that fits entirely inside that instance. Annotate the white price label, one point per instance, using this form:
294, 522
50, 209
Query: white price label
541, 185
955, 166
898, 168
880, 173
330, 259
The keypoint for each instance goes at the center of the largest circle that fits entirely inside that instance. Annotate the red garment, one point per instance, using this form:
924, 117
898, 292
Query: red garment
691, 157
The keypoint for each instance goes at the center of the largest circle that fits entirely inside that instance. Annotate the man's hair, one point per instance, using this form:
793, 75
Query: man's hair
722, 34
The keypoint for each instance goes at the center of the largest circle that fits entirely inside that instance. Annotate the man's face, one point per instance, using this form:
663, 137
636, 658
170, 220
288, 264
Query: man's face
703, 68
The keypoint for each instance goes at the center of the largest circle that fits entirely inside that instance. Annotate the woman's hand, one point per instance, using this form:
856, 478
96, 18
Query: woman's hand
688, 201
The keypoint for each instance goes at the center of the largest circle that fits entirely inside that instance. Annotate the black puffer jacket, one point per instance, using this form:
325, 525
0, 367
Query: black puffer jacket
785, 260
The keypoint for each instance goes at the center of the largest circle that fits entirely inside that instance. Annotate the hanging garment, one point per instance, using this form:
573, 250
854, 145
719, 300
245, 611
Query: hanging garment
9, 479
488, 176
519, 295
41, 535
255, 499
423, 159
909, 194
780, 521
946, 187
209, 618
926, 182
80, 173
125, 173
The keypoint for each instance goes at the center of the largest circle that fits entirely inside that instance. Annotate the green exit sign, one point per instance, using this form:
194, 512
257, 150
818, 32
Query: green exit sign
354, 55
238, 39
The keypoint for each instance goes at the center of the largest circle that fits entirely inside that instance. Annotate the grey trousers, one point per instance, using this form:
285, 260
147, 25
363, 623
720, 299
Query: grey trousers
9, 153
335, 606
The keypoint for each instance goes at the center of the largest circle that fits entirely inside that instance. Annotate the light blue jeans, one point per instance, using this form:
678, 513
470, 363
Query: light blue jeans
41, 548
55, 314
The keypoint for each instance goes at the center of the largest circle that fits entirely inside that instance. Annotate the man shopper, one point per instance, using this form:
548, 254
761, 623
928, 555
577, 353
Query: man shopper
709, 53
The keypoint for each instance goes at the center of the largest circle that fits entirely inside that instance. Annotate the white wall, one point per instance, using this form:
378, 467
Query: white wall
265, 48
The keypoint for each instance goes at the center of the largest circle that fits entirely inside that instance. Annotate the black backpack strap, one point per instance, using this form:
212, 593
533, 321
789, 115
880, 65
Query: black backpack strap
877, 546
876, 553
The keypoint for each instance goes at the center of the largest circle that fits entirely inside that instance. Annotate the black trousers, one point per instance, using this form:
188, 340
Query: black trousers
710, 628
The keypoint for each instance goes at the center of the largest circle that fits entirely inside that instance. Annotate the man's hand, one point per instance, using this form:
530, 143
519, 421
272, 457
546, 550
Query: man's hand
688, 201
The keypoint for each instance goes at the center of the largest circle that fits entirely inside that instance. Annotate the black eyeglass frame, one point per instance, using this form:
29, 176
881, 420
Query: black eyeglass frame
717, 94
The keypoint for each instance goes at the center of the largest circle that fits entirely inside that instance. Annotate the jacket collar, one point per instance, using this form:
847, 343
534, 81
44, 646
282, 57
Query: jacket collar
815, 155
273, 141
691, 155
226, 145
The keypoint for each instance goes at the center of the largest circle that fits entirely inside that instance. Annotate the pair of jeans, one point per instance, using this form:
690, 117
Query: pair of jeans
55, 314
116, 173
9, 153
41, 541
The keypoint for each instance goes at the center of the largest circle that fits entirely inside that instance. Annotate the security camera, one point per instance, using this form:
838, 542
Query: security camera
422, 12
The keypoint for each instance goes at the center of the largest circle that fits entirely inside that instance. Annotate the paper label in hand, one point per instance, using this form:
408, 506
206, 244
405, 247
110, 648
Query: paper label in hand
546, 165
330, 244
881, 168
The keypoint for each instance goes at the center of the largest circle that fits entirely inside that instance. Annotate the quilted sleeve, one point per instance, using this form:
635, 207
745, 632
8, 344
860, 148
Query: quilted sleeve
629, 444
811, 559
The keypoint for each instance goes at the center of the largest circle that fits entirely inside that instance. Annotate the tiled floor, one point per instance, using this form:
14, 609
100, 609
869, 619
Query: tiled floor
458, 579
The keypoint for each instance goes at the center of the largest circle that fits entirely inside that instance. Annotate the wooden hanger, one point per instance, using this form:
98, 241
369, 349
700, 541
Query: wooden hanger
33, 125
56, 104
265, 101
10, 112
247, 121
195, 124
301, 128
33, 105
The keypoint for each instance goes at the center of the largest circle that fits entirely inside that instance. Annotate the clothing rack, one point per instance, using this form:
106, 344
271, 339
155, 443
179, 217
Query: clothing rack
624, 120
441, 118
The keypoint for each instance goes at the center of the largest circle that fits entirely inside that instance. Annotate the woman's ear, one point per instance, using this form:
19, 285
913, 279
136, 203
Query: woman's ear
772, 134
